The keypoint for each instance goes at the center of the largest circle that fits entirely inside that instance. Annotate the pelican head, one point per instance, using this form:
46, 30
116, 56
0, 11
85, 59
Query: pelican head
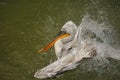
69, 27
66, 35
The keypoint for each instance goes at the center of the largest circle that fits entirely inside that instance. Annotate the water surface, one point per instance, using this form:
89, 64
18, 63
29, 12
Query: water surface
28, 25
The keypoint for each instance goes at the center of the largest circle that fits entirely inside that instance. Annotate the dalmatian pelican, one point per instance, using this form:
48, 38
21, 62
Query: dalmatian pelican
72, 45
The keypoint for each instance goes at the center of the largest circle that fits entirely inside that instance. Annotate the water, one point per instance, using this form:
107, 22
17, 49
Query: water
27, 25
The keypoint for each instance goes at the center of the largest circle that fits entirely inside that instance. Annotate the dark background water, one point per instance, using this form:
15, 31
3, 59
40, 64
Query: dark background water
28, 25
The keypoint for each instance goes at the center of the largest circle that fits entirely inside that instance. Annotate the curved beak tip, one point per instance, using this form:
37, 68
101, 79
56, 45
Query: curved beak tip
40, 51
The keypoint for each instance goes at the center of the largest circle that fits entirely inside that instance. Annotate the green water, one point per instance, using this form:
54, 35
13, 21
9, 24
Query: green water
27, 25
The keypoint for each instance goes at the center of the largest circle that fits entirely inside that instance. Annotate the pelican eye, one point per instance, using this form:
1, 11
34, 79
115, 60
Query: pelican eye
63, 29
70, 48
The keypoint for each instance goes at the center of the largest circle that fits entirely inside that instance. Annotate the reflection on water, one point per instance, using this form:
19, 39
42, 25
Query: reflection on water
27, 25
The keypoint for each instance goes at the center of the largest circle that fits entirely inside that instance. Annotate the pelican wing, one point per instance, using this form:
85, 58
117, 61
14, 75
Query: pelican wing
65, 63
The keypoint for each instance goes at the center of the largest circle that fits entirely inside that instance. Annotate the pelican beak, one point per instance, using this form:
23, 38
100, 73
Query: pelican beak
60, 35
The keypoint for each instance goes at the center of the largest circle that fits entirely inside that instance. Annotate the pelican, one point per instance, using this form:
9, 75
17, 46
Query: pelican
74, 45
